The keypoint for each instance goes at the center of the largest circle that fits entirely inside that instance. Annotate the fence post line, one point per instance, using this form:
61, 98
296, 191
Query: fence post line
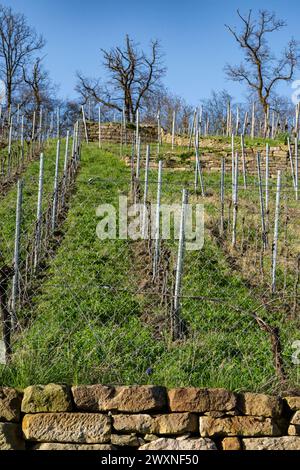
39, 213
176, 326
291, 162
253, 121
33, 126
9, 148
267, 179
261, 202
66, 152
157, 220
158, 132
276, 226
173, 128
15, 281
22, 140
222, 194
99, 126
138, 159
137, 130
58, 122
296, 168
232, 165
55, 189
243, 161
235, 200
245, 122
84, 124
198, 170
40, 127
145, 218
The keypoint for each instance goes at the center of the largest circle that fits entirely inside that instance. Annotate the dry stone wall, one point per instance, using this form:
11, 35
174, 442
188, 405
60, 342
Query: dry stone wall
113, 132
100, 417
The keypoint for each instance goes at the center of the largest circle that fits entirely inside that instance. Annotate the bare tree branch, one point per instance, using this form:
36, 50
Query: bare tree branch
17, 44
133, 75
261, 71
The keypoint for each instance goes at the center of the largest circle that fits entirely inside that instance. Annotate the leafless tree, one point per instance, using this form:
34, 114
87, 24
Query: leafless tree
166, 103
39, 89
260, 69
133, 76
215, 107
18, 42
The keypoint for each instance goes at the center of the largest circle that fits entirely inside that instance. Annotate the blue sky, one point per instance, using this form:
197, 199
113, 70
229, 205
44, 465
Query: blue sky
192, 33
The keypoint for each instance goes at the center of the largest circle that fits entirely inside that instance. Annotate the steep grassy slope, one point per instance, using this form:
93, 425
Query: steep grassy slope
88, 323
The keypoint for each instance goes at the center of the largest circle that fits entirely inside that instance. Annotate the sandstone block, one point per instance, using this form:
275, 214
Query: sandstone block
293, 430
258, 404
296, 418
272, 443
125, 440
10, 404
231, 443
176, 423
140, 424
175, 444
68, 446
201, 400
67, 427
10, 437
132, 398
293, 403
46, 398
238, 426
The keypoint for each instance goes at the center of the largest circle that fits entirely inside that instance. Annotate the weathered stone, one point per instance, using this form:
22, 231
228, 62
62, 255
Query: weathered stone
176, 423
10, 437
238, 426
214, 414
68, 446
175, 444
231, 443
201, 399
67, 427
134, 399
272, 443
294, 430
127, 440
46, 398
293, 403
10, 404
258, 404
150, 437
140, 424
296, 418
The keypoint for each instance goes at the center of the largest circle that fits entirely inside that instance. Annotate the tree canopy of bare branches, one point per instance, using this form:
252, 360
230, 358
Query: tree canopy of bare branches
132, 76
18, 42
260, 69
38, 88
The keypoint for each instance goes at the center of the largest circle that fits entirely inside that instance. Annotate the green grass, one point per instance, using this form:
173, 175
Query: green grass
87, 325
30, 191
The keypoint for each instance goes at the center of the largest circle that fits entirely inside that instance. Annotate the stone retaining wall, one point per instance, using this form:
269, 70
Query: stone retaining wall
99, 417
113, 132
